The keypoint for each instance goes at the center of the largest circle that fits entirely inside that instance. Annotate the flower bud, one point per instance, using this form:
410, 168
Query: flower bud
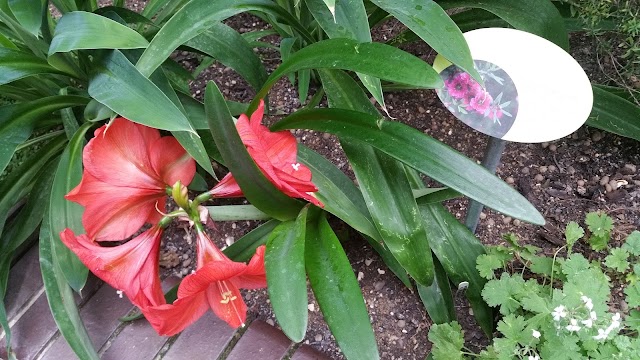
180, 195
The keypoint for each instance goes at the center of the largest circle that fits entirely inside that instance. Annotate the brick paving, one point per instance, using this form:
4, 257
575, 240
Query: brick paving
35, 336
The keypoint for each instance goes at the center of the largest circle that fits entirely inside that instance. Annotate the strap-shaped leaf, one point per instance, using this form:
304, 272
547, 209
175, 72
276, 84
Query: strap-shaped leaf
260, 192
117, 84
457, 249
227, 46
286, 276
538, 17
245, 247
347, 19
437, 297
18, 120
83, 30
236, 213
347, 54
66, 214
614, 113
15, 64
28, 13
420, 152
393, 208
337, 291
60, 296
199, 15
432, 24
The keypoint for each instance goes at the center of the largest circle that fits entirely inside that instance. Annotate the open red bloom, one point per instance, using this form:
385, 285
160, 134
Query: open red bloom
131, 267
214, 285
127, 167
275, 153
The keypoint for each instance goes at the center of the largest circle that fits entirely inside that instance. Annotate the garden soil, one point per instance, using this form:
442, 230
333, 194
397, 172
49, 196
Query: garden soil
587, 171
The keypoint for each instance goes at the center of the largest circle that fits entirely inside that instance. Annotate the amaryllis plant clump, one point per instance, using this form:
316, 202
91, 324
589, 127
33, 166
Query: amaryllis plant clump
129, 170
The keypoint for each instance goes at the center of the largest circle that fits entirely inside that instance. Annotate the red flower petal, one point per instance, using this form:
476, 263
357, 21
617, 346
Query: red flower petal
131, 267
211, 272
226, 188
254, 277
119, 155
114, 213
171, 319
226, 301
171, 161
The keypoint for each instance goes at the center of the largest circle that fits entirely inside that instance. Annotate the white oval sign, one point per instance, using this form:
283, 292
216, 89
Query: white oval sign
534, 91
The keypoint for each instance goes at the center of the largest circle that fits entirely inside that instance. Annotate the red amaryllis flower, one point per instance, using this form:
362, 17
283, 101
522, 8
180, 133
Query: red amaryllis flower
127, 167
275, 153
214, 285
131, 267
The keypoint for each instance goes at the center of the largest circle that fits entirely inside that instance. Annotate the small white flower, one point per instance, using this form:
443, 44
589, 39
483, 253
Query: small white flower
536, 334
573, 325
588, 323
587, 302
616, 317
533, 357
559, 313
593, 316
602, 334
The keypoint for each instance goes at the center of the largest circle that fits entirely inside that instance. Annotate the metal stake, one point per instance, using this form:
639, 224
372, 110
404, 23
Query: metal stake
491, 159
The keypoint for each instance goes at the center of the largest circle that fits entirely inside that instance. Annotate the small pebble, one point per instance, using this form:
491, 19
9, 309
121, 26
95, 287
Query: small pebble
378, 285
360, 275
571, 170
318, 337
552, 168
368, 261
507, 220
629, 169
381, 272
311, 307
401, 323
510, 180
553, 147
597, 136
545, 145
490, 222
421, 110
604, 180
614, 184
483, 216
542, 169
581, 183
186, 263
608, 188
538, 178
270, 322
525, 170
517, 222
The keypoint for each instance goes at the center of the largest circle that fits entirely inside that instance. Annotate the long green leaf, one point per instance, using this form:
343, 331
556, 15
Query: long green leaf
236, 213
286, 277
337, 291
18, 120
390, 201
245, 247
437, 297
19, 230
457, 249
538, 17
614, 114
66, 214
343, 199
28, 13
83, 30
60, 296
432, 24
399, 66
227, 46
260, 192
196, 17
117, 84
15, 64
421, 152
347, 20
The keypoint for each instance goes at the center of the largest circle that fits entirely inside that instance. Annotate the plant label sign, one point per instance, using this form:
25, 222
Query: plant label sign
533, 90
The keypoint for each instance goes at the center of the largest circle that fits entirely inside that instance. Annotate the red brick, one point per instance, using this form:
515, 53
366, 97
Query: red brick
261, 341
306, 352
32, 331
100, 315
24, 283
205, 339
136, 341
